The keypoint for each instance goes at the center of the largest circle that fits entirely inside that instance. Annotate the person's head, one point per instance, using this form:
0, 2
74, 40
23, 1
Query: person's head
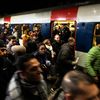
30, 68
98, 26
47, 42
31, 46
36, 30
2, 44
71, 41
14, 29
25, 37
57, 27
32, 34
41, 48
18, 50
12, 40
57, 38
78, 86
3, 50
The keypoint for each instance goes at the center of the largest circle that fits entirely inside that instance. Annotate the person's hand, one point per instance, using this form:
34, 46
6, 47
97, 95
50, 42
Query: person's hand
76, 61
96, 78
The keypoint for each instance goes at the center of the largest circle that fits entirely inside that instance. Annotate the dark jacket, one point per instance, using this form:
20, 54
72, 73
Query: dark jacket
64, 60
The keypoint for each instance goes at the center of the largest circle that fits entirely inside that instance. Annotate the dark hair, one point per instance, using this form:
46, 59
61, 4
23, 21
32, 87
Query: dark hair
31, 47
2, 44
40, 44
20, 62
11, 37
71, 39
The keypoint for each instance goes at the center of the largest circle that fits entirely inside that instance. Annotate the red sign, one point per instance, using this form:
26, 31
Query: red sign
64, 14
7, 19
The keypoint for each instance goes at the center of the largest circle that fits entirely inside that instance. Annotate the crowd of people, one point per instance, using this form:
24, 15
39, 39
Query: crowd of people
29, 63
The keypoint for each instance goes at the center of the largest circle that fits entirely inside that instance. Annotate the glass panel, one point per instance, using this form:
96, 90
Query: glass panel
96, 33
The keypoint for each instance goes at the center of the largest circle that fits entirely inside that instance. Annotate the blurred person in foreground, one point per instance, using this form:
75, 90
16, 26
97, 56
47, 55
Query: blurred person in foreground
27, 82
76, 86
6, 69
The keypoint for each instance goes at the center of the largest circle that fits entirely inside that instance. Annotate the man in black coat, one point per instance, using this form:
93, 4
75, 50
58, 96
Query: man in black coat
66, 58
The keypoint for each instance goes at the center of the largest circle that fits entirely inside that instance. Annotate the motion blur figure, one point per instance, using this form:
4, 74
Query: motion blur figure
6, 69
77, 86
66, 60
27, 82
66, 57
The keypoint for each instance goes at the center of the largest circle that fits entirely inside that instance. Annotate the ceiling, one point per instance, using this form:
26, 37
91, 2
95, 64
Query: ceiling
9, 7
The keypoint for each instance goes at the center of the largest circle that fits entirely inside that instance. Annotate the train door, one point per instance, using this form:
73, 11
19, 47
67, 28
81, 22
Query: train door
45, 30
64, 28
